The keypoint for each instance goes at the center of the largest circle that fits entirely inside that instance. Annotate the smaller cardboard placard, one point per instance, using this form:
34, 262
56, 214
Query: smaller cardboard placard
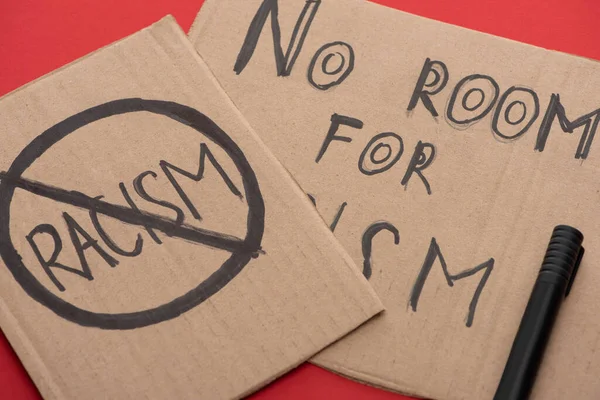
152, 247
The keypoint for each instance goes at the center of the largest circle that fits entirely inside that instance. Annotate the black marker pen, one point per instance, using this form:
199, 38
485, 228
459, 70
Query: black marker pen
554, 282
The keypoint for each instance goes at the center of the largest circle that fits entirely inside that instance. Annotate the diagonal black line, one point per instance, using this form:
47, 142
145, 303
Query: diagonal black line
129, 216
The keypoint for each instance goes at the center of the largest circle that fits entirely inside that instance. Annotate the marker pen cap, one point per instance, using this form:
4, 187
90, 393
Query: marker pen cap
562, 256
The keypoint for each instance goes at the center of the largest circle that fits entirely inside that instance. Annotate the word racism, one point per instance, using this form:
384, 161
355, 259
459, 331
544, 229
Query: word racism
513, 111
146, 220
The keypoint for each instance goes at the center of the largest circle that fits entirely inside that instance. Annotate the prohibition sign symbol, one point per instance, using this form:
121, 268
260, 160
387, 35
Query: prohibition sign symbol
242, 250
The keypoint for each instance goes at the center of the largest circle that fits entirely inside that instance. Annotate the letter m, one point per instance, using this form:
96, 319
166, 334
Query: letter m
434, 253
284, 63
556, 110
169, 168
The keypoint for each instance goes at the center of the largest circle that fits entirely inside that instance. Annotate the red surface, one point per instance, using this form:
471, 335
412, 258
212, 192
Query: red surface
39, 36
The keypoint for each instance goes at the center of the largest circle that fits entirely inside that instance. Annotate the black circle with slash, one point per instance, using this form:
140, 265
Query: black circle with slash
242, 250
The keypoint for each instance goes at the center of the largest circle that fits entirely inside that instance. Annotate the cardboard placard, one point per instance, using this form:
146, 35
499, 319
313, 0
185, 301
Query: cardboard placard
439, 157
153, 247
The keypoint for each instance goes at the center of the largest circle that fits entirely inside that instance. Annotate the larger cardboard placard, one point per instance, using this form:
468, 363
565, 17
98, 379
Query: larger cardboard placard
152, 247
438, 156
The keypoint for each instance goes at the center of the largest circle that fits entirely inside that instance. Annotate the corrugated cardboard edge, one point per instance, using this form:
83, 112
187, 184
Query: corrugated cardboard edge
201, 20
368, 380
167, 17
283, 372
37, 370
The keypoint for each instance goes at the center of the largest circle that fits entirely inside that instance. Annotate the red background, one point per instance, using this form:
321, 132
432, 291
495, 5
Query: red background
37, 36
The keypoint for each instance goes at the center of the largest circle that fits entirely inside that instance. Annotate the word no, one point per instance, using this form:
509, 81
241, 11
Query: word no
382, 152
331, 64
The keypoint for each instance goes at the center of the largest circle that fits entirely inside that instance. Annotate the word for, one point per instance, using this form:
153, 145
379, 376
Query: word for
382, 152
331, 64
513, 112
82, 240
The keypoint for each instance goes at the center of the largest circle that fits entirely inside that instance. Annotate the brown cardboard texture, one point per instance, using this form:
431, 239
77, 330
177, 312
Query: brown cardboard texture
440, 158
153, 247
